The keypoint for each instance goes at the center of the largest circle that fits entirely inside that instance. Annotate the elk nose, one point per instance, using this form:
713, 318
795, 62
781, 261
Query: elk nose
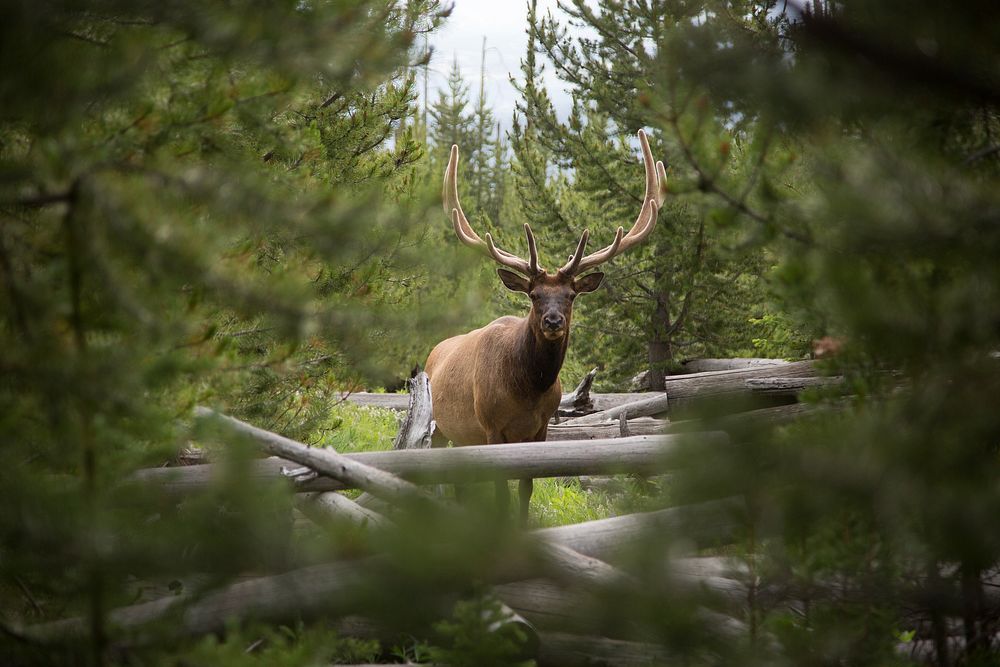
553, 322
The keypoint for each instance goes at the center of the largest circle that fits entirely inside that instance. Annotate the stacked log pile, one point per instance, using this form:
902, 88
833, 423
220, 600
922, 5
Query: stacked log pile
546, 593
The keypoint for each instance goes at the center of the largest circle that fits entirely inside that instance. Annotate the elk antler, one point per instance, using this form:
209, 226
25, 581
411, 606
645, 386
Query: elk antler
656, 192
469, 237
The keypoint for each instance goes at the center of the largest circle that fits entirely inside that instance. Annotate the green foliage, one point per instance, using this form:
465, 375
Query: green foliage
205, 203
302, 646
479, 633
199, 204
677, 295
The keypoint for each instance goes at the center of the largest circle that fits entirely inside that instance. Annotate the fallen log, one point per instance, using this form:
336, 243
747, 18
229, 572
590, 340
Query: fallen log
548, 605
578, 401
345, 470
735, 364
392, 488
684, 391
417, 426
640, 426
331, 507
782, 414
374, 400
714, 522
601, 401
791, 386
644, 454
341, 588
569, 650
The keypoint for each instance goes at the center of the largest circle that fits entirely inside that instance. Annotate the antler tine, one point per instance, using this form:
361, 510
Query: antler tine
532, 250
573, 265
453, 207
656, 193
505, 258
468, 236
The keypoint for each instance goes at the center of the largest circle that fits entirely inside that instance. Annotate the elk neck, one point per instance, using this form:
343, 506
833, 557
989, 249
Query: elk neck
537, 359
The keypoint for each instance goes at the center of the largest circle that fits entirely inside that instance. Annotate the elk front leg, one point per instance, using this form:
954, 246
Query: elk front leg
524, 490
527, 485
502, 492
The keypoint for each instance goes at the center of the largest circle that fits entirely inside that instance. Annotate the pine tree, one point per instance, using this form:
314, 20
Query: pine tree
452, 123
683, 290
192, 197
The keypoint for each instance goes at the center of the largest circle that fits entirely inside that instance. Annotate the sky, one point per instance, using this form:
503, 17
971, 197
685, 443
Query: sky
503, 23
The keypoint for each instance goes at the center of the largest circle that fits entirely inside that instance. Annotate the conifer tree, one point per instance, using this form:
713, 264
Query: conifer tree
683, 292
452, 122
192, 197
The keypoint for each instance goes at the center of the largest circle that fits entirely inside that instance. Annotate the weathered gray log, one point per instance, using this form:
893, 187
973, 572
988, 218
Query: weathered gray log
608, 401
345, 470
703, 365
374, 400
569, 650
329, 507
339, 588
549, 605
569, 564
685, 390
714, 522
324, 508
578, 401
417, 426
308, 592
640, 426
646, 454
601, 401
399, 491
781, 414
772, 385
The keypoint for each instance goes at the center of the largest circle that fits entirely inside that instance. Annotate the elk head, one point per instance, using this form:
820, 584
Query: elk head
552, 294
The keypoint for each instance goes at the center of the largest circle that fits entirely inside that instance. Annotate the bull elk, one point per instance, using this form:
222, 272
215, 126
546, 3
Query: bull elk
500, 383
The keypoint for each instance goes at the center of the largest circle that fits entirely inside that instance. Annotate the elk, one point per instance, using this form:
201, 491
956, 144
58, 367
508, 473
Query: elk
500, 383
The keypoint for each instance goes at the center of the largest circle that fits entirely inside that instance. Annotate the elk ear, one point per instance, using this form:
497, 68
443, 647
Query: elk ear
514, 282
588, 283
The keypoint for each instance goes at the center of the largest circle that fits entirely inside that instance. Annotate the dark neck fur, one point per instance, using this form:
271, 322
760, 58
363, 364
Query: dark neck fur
538, 360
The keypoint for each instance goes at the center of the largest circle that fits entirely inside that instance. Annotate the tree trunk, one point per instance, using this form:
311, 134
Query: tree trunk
660, 356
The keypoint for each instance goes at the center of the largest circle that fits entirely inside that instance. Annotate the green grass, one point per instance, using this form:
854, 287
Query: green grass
555, 502
353, 428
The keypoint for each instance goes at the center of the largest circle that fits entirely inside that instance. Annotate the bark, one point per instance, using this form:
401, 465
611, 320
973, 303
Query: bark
578, 401
715, 522
791, 386
640, 426
345, 470
703, 365
687, 391
782, 414
418, 425
331, 507
659, 357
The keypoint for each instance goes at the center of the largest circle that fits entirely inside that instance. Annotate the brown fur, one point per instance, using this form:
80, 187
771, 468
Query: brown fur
500, 383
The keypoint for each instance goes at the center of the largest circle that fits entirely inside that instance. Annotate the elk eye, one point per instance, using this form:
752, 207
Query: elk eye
534, 297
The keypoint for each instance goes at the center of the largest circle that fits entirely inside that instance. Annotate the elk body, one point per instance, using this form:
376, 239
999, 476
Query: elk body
500, 383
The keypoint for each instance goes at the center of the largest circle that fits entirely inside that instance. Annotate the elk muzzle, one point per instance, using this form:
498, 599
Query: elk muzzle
553, 325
